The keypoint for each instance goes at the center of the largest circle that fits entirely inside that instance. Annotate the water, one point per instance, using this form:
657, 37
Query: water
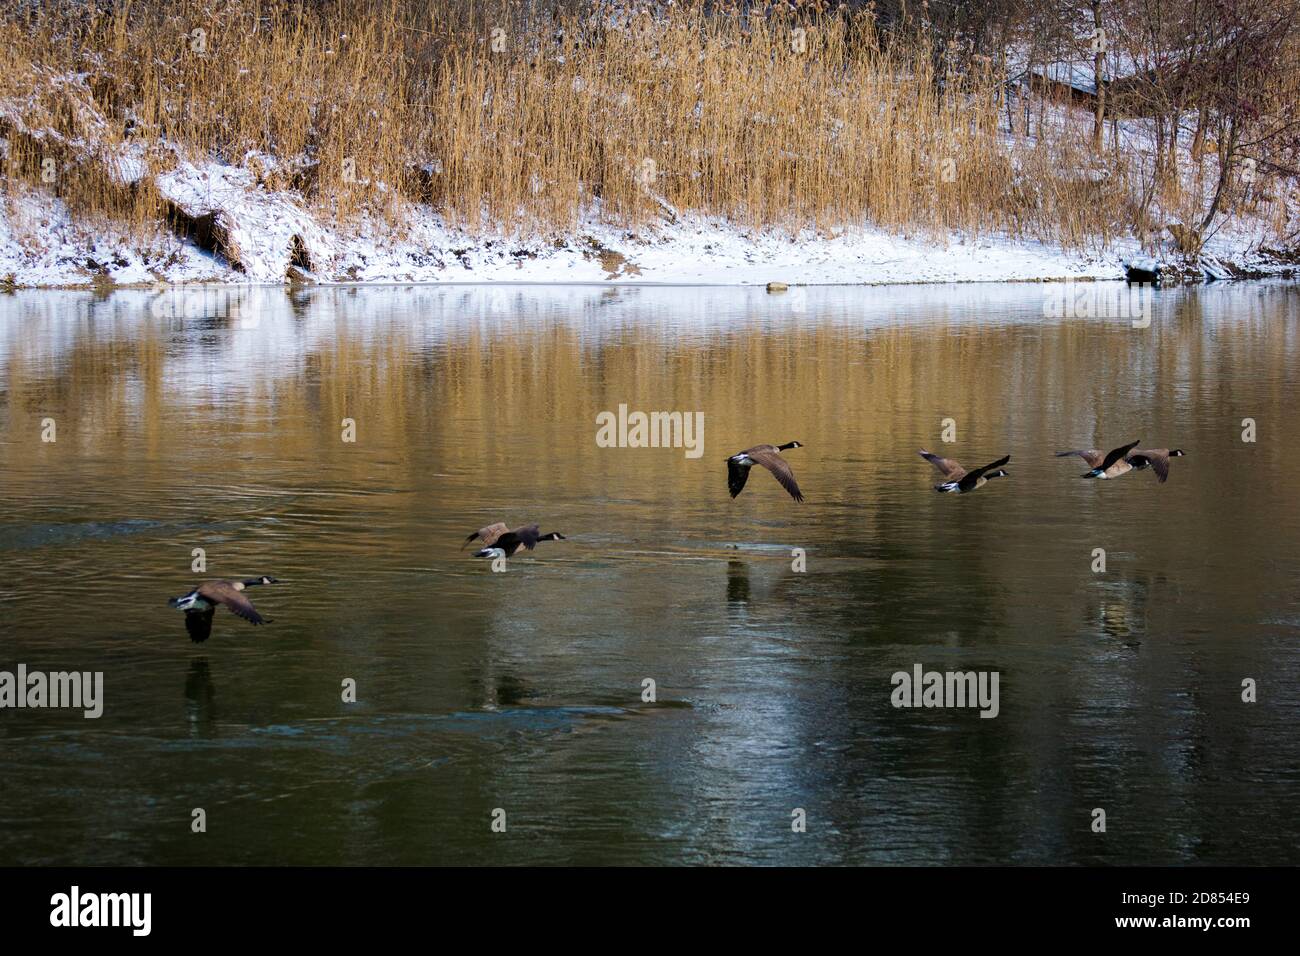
215, 423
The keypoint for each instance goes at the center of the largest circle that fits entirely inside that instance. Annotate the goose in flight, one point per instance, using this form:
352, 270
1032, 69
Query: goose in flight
501, 542
1110, 465
769, 456
960, 481
201, 603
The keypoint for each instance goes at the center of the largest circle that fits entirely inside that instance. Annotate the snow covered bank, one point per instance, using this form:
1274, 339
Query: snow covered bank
267, 237
226, 226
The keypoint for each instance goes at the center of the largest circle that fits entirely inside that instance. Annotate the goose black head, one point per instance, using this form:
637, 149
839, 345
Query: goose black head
1000, 473
264, 579
790, 444
1177, 453
552, 536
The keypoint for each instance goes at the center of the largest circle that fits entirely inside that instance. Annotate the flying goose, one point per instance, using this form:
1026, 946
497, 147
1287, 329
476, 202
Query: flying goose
1157, 459
769, 456
501, 542
958, 479
1111, 465
201, 603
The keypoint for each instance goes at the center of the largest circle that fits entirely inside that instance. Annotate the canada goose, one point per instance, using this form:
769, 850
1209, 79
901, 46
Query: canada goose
1111, 465
958, 479
503, 543
1157, 459
201, 603
769, 456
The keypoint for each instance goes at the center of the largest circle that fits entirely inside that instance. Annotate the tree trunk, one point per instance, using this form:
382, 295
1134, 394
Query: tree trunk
1198, 140
1098, 64
1227, 152
1159, 157
1171, 162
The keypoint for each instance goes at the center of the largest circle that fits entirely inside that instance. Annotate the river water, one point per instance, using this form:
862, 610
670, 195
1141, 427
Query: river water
770, 629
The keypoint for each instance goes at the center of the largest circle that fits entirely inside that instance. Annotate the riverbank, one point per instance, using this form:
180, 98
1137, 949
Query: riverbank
42, 245
59, 251
156, 143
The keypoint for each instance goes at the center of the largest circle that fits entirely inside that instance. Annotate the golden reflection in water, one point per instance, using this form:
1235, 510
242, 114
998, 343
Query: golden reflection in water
493, 375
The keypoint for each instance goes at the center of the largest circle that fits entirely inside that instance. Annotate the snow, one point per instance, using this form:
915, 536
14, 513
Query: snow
1078, 72
1142, 263
40, 245
1214, 268
259, 226
1079, 76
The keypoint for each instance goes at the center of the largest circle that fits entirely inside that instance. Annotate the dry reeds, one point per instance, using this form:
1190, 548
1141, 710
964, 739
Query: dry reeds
515, 120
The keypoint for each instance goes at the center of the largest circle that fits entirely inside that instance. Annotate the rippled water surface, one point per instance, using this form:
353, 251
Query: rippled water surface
215, 422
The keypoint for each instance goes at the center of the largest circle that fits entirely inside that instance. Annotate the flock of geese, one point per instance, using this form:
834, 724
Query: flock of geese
501, 541
956, 478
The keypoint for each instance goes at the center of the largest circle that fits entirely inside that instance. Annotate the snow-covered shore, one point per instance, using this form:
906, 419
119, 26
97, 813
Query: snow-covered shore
266, 236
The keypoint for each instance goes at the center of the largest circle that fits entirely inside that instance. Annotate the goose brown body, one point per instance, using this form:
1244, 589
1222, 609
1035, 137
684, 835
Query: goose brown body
1112, 464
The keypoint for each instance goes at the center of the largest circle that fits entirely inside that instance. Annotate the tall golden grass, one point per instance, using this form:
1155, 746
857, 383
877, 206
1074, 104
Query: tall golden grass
519, 118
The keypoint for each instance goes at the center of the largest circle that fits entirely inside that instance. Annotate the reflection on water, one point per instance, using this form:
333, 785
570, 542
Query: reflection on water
200, 699
215, 422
